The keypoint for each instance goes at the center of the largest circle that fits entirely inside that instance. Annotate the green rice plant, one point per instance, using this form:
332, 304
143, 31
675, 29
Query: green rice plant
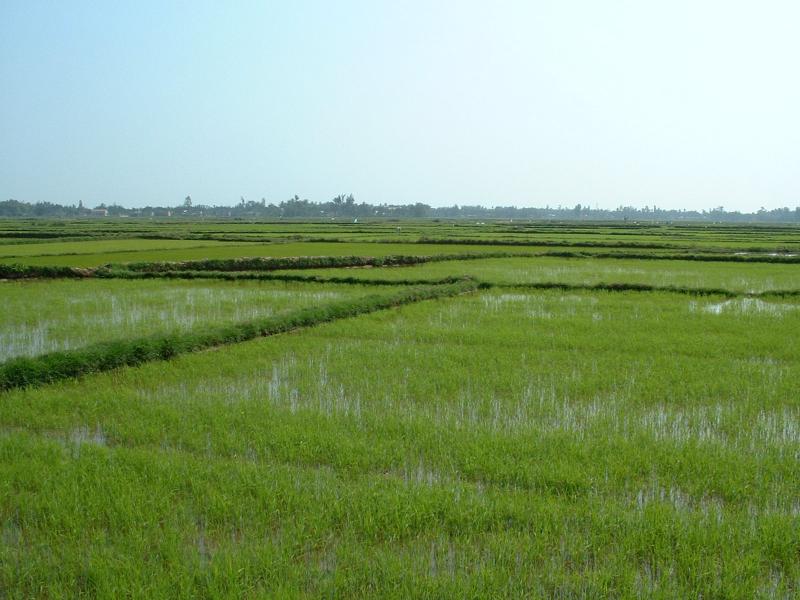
706, 257
106, 246
622, 287
103, 356
503, 443
119, 273
553, 427
733, 277
44, 316
232, 251
299, 262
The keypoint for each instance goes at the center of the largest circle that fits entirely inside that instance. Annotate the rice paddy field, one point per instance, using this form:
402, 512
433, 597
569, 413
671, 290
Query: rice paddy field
399, 409
41, 316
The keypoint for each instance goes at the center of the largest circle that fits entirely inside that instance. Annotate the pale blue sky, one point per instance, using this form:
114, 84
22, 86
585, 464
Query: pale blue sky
676, 103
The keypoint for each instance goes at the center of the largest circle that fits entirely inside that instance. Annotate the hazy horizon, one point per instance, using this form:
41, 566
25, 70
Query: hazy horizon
687, 105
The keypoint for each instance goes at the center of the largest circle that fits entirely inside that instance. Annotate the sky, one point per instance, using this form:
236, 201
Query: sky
677, 104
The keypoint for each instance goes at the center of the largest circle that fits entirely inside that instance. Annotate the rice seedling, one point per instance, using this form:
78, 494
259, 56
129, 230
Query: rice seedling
548, 443
554, 427
735, 277
102, 356
46, 316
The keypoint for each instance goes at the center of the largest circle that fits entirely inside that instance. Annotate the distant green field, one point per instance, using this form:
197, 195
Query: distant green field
55, 248
237, 250
754, 277
495, 441
675, 236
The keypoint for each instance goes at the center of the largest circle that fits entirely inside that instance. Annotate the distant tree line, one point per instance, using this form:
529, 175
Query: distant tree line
345, 206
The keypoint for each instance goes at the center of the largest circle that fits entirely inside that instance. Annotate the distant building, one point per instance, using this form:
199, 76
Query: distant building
99, 212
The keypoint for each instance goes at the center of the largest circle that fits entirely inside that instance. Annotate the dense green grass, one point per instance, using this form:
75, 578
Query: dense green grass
501, 444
